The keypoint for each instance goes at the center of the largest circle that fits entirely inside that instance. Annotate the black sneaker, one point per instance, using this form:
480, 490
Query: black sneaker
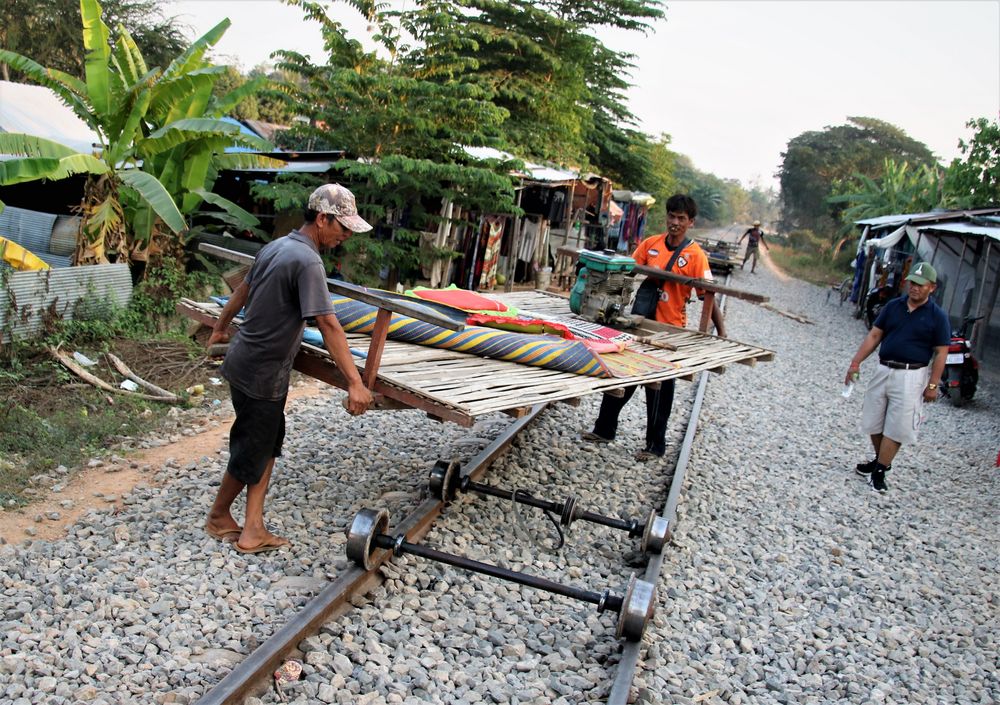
865, 469
877, 481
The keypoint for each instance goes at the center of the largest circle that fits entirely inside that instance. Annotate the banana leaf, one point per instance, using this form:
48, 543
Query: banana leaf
96, 41
152, 191
181, 131
238, 161
243, 217
192, 56
127, 57
32, 146
17, 171
78, 164
194, 177
124, 144
169, 95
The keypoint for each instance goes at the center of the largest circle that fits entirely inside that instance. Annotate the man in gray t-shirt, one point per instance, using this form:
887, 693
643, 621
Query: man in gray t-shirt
285, 286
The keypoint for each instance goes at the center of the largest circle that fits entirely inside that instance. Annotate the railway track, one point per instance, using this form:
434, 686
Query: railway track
371, 543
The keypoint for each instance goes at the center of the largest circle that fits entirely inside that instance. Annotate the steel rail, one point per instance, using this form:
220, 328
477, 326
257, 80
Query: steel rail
249, 675
621, 687
629, 660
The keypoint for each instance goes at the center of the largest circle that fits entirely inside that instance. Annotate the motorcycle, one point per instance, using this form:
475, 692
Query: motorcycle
876, 299
961, 372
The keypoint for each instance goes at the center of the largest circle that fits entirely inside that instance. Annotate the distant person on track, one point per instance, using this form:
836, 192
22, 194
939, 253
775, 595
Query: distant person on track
913, 332
686, 258
285, 286
756, 238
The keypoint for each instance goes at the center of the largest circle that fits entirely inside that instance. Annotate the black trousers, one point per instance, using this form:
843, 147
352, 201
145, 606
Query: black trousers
659, 403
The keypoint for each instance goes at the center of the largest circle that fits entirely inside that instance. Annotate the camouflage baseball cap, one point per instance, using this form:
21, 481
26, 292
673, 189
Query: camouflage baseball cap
334, 199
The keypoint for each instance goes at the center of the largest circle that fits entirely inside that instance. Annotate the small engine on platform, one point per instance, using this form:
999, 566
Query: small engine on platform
604, 288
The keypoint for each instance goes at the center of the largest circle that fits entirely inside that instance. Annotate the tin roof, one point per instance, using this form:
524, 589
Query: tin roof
36, 110
992, 232
533, 172
918, 218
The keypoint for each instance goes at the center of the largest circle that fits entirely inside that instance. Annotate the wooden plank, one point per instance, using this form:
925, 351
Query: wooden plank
379, 333
703, 284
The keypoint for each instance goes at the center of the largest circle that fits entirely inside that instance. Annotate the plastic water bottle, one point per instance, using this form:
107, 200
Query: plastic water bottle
849, 387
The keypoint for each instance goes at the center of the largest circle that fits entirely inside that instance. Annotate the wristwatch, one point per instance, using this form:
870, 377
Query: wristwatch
931, 385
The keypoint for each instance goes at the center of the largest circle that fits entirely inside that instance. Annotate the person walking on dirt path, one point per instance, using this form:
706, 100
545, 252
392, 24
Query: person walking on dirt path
285, 286
913, 332
756, 238
673, 252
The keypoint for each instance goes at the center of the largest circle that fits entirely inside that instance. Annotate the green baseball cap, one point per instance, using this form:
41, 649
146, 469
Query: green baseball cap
922, 274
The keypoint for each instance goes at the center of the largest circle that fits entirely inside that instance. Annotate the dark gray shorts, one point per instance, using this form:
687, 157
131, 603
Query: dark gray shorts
256, 436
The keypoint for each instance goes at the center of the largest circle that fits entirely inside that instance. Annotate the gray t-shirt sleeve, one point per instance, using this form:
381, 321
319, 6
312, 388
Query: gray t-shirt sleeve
314, 297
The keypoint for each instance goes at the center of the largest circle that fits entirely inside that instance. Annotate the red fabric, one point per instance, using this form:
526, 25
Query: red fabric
460, 298
521, 325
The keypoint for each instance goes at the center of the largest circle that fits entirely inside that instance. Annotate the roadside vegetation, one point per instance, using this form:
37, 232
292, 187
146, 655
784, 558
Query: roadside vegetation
51, 418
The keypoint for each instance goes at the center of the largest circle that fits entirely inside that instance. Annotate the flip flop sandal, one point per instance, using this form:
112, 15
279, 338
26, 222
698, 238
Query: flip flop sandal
262, 548
230, 536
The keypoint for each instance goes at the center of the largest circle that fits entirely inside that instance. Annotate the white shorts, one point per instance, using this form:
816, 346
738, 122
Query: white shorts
894, 403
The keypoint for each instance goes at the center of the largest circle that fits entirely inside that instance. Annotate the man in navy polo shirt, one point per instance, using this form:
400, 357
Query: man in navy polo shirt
914, 332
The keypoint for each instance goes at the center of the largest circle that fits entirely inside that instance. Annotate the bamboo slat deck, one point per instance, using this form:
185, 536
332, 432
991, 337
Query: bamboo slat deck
459, 387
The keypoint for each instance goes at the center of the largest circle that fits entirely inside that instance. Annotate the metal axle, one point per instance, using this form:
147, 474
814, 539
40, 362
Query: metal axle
605, 600
367, 543
446, 479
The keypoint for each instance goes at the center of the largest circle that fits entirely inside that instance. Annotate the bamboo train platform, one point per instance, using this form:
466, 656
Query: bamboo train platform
458, 387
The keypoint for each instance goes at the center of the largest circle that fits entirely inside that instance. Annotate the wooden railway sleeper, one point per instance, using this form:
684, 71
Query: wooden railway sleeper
366, 538
446, 480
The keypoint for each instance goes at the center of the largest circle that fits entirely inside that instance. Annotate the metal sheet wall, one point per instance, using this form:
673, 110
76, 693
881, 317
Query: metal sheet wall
28, 297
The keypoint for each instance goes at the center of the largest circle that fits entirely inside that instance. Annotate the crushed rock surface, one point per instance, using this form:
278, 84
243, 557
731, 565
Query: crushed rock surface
788, 580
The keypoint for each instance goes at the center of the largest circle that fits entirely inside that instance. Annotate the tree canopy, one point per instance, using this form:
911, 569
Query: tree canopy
815, 161
48, 32
562, 88
974, 182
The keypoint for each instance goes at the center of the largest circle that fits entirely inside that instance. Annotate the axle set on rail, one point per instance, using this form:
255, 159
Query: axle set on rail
368, 543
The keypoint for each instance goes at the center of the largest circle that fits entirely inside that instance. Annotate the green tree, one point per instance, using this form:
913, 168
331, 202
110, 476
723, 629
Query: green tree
227, 82
271, 104
898, 189
543, 63
46, 30
158, 147
403, 126
814, 161
974, 181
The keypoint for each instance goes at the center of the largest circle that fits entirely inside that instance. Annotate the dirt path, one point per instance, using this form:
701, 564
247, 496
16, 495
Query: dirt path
89, 488
732, 235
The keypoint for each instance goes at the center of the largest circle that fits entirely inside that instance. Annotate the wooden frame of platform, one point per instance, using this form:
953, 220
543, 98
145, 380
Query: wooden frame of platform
458, 387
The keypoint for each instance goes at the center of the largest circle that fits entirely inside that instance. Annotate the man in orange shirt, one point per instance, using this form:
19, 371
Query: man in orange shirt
683, 257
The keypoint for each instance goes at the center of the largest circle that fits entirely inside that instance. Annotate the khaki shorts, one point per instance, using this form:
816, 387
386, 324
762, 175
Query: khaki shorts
894, 403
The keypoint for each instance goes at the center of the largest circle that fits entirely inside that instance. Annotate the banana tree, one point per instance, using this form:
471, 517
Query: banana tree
160, 140
899, 189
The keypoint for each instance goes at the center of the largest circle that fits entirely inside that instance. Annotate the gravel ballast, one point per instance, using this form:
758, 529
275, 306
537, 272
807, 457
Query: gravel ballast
788, 580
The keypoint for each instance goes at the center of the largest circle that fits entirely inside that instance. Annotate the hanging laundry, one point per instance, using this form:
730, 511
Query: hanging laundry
491, 254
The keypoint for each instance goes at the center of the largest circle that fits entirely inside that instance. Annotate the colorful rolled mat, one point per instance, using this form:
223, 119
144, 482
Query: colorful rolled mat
526, 349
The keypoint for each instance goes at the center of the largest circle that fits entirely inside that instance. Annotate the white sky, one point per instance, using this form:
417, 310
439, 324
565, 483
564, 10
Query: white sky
733, 82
